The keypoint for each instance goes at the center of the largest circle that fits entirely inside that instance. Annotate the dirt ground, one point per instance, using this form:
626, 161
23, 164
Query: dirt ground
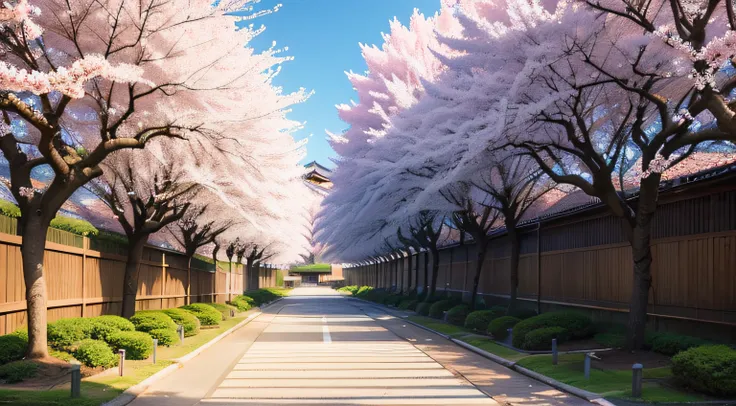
52, 372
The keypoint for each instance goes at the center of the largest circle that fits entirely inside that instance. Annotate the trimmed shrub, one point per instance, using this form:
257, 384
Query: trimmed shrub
479, 319
671, 344
243, 303
165, 336
102, 326
74, 226
18, 371
207, 315
224, 309
457, 314
611, 340
577, 324
262, 296
148, 320
438, 308
186, 319
408, 304
64, 333
13, 346
423, 308
363, 290
9, 209
352, 289
137, 344
95, 353
541, 339
709, 369
498, 327
522, 313
393, 300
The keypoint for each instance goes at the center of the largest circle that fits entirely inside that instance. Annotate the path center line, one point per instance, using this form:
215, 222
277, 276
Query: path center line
326, 332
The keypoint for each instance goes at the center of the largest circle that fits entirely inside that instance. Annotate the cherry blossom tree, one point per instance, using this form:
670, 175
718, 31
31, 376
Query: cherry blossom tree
80, 80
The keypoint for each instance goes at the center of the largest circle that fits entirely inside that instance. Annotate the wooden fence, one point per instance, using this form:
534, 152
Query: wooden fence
85, 282
580, 261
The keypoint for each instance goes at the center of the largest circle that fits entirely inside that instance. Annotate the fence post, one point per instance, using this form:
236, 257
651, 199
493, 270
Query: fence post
85, 247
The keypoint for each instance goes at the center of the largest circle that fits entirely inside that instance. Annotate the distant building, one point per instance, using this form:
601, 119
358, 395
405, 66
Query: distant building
317, 177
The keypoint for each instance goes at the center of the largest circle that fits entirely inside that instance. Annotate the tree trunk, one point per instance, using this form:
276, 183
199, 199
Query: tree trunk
435, 271
480, 259
33, 231
641, 250
248, 274
132, 270
513, 265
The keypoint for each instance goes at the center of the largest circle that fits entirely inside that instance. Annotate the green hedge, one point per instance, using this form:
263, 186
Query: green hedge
408, 304
18, 371
438, 308
64, 333
457, 314
224, 309
9, 209
13, 346
186, 319
148, 320
541, 339
393, 300
262, 296
137, 344
709, 369
670, 344
102, 326
165, 336
577, 324
499, 326
207, 315
363, 291
423, 308
74, 226
480, 319
95, 353
352, 289
243, 303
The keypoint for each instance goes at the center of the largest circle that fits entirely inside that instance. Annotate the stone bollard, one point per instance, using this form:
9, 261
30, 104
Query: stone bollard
76, 381
554, 351
121, 366
587, 365
636, 378
180, 331
155, 347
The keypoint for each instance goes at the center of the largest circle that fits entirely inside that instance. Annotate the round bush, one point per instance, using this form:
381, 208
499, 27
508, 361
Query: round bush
13, 346
438, 308
408, 304
423, 308
499, 326
95, 353
577, 324
165, 336
18, 371
102, 326
137, 344
186, 319
671, 344
457, 314
148, 320
243, 303
63, 334
541, 339
479, 319
207, 315
393, 300
224, 309
709, 369
363, 290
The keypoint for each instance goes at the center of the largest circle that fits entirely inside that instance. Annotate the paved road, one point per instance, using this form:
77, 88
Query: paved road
317, 347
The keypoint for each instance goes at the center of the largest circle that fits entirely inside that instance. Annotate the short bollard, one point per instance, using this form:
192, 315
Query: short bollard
155, 347
554, 351
76, 381
180, 330
232, 313
587, 365
636, 377
509, 336
121, 366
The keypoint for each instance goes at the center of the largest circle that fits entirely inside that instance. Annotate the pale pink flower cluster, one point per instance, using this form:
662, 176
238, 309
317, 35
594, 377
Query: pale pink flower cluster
69, 81
26, 192
20, 15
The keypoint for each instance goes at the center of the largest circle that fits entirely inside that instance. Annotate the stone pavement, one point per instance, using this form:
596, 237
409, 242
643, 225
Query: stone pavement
317, 347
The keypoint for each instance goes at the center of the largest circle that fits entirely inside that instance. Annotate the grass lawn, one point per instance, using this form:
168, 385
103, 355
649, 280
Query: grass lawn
101, 388
439, 326
486, 344
608, 383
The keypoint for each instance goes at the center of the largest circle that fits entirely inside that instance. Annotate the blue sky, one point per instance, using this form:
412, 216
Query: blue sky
323, 37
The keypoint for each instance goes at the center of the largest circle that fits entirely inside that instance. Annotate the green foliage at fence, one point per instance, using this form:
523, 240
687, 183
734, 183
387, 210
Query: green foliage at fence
313, 268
